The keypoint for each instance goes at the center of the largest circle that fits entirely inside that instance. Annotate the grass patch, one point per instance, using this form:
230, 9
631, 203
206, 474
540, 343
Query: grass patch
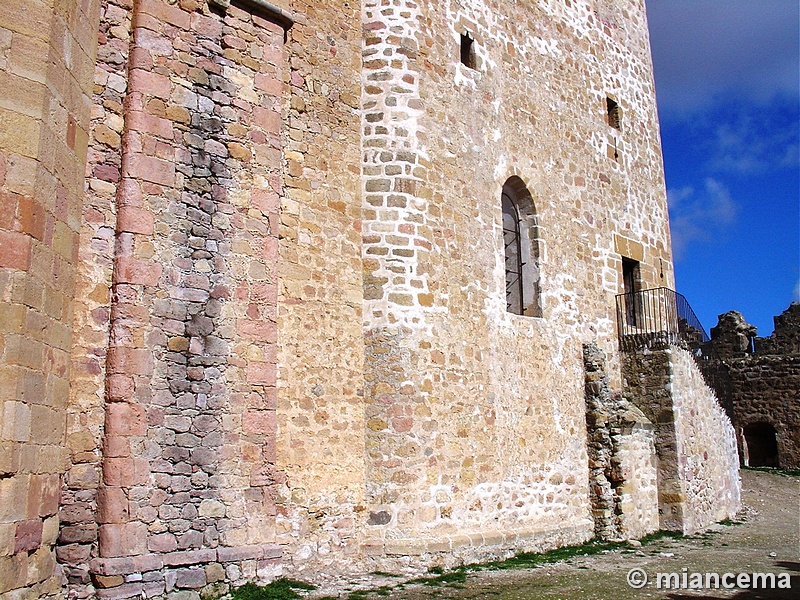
732, 522
440, 577
528, 560
661, 535
280, 589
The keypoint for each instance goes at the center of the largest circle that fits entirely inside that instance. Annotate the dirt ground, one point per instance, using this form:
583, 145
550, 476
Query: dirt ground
768, 541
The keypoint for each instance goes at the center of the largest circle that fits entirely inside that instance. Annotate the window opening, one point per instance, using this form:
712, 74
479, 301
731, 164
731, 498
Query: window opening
513, 253
630, 279
467, 51
521, 249
613, 114
761, 444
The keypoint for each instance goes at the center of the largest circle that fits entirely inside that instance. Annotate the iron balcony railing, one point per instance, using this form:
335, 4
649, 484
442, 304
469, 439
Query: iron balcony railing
655, 317
660, 317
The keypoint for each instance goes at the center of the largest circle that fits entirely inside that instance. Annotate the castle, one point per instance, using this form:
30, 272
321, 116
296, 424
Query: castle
761, 379
334, 286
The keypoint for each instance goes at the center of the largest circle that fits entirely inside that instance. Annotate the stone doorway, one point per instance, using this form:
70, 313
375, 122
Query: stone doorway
761, 445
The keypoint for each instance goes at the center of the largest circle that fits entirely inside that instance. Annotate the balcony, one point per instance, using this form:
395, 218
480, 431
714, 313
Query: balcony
655, 318
660, 317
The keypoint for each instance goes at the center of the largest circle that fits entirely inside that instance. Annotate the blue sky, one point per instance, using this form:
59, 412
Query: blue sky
728, 86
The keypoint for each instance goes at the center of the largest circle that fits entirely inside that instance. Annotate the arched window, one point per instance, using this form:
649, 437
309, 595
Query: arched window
521, 248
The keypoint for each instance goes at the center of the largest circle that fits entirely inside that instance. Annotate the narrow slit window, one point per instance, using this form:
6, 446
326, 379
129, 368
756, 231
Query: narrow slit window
467, 51
630, 285
614, 115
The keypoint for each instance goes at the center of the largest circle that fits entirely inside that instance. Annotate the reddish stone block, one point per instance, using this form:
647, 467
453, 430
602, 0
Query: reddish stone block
73, 554
190, 579
141, 59
264, 292
261, 373
28, 536
84, 533
150, 83
164, 12
124, 472
8, 208
123, 418
206, 26
119, 387
267, 201
260, 421
51, 492
15, 250
269, 85
112, 506
163, 542
270, 252
116, 446
402, 424
135, 220
268, 120
34, 496
137, 271
131, 192
124, 539
261, 331
152, 169
31, 217
146, 123
131, 361
106, 172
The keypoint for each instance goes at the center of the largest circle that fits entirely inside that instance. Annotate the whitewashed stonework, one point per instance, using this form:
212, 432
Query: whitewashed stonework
253, 282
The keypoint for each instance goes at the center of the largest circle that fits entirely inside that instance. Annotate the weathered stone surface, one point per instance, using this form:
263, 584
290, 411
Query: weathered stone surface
252, 268
761, 376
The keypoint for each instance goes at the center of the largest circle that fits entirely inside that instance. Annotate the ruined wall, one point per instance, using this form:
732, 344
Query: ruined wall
46, 58
698, 480
765, 378
622, 458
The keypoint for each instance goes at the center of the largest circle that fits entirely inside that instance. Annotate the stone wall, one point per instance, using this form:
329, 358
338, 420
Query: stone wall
47, 54
270, 335
171, 423
623, 479
698, 479
765, 379
706, 447
476, 424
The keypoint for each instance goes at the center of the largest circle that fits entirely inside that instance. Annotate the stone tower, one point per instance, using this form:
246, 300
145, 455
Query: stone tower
310, 286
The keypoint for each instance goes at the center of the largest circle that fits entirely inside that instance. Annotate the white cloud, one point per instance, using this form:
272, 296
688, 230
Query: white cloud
703, 48
753, 143
699, 215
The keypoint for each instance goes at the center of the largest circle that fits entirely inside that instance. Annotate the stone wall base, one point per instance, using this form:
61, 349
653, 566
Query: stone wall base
195, 572
452, 550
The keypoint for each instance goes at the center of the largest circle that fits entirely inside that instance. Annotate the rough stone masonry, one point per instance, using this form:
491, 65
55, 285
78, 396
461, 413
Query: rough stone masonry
254, 274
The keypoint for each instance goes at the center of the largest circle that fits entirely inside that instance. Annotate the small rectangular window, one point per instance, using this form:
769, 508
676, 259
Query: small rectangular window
467, 51
613, 114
